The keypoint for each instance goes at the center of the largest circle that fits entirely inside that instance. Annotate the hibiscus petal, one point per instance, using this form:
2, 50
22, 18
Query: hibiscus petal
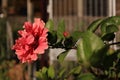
44, 32
28, 26
39, 22
23, 60
41, 49
38, 25
33, 56
30, 39
35, 28
42, 46
27, 47
23, 33
20, 52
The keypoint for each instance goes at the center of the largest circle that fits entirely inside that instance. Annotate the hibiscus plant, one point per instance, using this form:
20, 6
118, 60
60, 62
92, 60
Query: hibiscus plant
97, 50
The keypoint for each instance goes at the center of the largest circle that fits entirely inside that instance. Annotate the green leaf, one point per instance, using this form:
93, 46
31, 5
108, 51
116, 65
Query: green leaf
75, 35
60, 30
88, 45
114, 20
108, 37
52, 37
51, 72
118, 55
42, 74
94, 25
76, 70
98, 57
61, 73
50, 25
81, 53
69, 43
61, 26
87, 76
44, 70
62, 56
38, 75
108, 61
111, 28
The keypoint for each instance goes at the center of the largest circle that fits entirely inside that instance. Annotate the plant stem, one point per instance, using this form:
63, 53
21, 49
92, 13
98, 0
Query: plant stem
114, 43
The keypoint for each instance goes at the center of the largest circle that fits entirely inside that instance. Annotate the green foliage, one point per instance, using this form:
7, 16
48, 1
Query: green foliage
87, 76
60, 30
108, 37
42, 74
46, 73
52, 38
88, 46
94, 25
76, 70
51, 72
56, 37
110, 21
62, 56
111, 29
96, 57
76, 35
50, 25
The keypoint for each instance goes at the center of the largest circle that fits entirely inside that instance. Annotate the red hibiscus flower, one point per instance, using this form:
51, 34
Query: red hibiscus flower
32, 41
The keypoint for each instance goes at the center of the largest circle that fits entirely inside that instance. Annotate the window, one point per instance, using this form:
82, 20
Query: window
95, 7
65, 7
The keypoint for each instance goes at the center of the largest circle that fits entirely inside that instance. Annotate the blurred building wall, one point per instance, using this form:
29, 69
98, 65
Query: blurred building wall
82, 12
